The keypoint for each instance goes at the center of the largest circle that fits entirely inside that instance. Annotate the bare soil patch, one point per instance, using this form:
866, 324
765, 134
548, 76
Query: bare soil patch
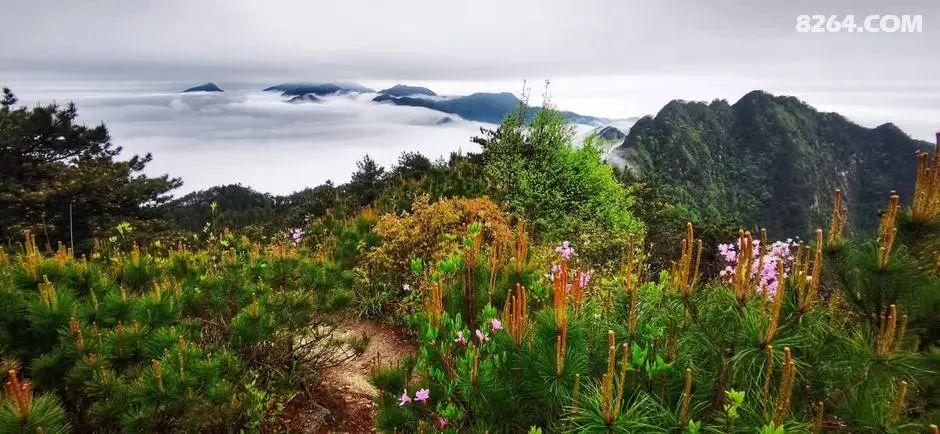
345, 390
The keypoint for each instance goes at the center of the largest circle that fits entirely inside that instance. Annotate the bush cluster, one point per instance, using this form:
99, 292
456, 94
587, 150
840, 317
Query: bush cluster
161, 339
674, 353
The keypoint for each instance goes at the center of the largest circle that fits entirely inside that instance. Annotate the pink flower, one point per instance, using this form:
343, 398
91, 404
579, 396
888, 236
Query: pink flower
296, 235
460, 339
481, 336
554, 272
764, 272
441, 422
565, 250
496, 324
405, 399
585, 278
423, 395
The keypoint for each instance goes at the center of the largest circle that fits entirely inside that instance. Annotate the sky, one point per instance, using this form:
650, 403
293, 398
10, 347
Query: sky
466, 40
122, 61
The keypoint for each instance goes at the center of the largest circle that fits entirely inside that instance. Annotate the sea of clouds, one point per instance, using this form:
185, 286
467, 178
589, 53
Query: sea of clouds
256, 138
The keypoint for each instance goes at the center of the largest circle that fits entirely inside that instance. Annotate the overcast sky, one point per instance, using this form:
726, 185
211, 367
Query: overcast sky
448, 39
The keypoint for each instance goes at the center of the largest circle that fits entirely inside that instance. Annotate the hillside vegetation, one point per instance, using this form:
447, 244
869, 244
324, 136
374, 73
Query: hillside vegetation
543, 290
770, 161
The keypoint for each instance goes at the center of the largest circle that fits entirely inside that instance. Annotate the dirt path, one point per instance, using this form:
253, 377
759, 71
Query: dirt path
345, 390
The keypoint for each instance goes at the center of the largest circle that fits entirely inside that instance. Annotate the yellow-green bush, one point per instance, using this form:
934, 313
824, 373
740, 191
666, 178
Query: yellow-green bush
158, 340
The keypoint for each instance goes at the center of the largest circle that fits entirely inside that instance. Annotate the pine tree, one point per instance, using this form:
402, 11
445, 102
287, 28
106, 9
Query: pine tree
50, 162
367, 181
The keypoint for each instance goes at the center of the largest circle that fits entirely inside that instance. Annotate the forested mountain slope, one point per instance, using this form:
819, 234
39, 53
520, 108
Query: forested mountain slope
770, 159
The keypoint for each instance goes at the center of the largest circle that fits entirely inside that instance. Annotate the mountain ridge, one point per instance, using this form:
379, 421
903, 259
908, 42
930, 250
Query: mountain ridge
489, 107
481, 106
728, 160
406, 90
318, 89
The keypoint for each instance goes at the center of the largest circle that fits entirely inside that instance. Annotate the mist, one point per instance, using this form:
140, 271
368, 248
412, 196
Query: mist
256, 138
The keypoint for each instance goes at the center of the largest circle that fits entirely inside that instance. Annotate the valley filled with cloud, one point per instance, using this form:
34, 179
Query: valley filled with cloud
256, 138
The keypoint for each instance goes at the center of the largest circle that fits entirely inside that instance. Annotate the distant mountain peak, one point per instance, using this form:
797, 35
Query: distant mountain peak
610, 133
307, 97
491, 107
757, 95
405, 90
205, 87
318, 89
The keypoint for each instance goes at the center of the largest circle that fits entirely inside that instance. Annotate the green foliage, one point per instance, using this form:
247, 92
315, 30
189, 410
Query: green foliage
665, 213
560, 188
460, 176
236, 207
771, 429
45, 415
217, 333
432, 233
509, 375
906, 281
59, 178
165, 341
265, 216
735, 400
367, 181
769, 160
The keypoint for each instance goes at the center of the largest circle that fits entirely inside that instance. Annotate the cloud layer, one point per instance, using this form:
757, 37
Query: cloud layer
255, 138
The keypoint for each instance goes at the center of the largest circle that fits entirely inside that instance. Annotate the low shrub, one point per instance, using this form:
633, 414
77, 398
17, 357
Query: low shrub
162, 340
672, 354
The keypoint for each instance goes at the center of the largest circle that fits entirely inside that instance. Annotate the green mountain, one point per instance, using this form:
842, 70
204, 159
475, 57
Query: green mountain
405, 90
318, 89
480, 106
770, 161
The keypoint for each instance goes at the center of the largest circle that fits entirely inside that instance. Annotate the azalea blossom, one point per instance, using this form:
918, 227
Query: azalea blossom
405, 399
297, 235
765, 273
496, 324
481, 336
585, 278
565, 250
460, 339
555, 270
423, 395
